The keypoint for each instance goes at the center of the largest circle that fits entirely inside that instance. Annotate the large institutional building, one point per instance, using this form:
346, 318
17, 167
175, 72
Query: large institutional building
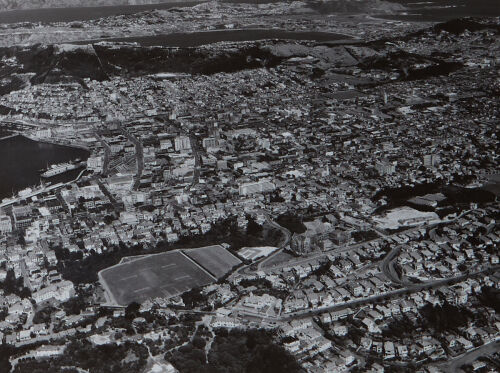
5, 224
257, 187
182, 143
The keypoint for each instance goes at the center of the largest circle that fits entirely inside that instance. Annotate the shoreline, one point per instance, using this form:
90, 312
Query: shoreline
13, 199
73, 13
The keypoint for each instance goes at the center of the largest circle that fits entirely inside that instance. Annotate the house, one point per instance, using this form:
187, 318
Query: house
340, 330
225, 322
465, 343
370, 324
402, 351
292, 344
451, 340
49, 351
341, 314
389, 351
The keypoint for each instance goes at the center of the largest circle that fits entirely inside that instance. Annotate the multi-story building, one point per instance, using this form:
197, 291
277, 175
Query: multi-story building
182, 143
431, 160
95, 163
256, 187
385, 168
5, 224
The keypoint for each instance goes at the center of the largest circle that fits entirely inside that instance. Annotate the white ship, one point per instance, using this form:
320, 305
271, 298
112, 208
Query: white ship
57, 169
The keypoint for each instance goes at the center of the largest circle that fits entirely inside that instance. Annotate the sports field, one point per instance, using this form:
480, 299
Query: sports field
160, 275
215, 259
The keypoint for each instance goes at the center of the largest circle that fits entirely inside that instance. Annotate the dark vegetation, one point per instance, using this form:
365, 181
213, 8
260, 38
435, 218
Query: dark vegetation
11, 285
404, 61
490, 297
99, 62
291, 222
455, 196
458, 26
251, 351
193, 298
361, 236
399, 328
43, 315
445, 317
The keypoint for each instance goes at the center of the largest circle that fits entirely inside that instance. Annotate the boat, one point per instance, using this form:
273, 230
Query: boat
58, 169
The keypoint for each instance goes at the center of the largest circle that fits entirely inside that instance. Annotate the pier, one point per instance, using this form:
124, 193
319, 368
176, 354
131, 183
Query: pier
40, 191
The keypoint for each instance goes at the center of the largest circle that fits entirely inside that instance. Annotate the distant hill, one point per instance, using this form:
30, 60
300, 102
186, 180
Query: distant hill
322, 6
351, 6
34, 4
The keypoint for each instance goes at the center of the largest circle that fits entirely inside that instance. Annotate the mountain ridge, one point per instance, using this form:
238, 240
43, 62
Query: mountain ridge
40, 4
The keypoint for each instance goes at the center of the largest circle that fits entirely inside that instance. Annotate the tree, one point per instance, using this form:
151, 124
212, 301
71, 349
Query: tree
132, 310
253, 228
108, 219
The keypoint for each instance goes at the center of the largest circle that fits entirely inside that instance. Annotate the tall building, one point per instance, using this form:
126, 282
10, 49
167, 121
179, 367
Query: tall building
5, 224
182, 143
95, 163
209, 142
256, 187
385, 168
431, 160
22, 216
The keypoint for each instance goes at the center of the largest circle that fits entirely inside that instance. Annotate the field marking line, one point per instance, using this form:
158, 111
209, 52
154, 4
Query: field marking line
168, 265
128, 278
146, 288
182, 277
146, 269
198, 266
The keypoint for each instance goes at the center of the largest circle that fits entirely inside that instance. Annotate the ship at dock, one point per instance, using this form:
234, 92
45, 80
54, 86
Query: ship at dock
60, 168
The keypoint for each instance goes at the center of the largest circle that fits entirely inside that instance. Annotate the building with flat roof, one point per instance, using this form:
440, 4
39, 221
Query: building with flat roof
182, 143
256, 187
5, 224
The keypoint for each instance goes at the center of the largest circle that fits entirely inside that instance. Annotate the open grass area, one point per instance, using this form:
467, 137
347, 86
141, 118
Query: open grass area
215, 259
159, 275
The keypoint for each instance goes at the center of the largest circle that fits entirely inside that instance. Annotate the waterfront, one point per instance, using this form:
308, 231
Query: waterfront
22, 159
433, 11
49, 15
443, 10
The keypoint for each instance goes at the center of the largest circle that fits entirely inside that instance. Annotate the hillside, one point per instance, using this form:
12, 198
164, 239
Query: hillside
33, 4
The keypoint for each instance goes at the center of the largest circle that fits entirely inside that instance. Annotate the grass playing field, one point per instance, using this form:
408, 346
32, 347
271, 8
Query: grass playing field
215, 259
160, 275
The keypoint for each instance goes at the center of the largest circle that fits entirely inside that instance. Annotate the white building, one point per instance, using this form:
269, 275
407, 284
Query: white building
182, 143
256, 187
225, 322
49, 351
5, 224
95, 164
61, 291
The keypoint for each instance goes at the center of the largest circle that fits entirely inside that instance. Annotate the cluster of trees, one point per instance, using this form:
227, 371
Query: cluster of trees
490, 297
43, 315
13, 285
445, 317
193, 298
291, 222
251, 351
